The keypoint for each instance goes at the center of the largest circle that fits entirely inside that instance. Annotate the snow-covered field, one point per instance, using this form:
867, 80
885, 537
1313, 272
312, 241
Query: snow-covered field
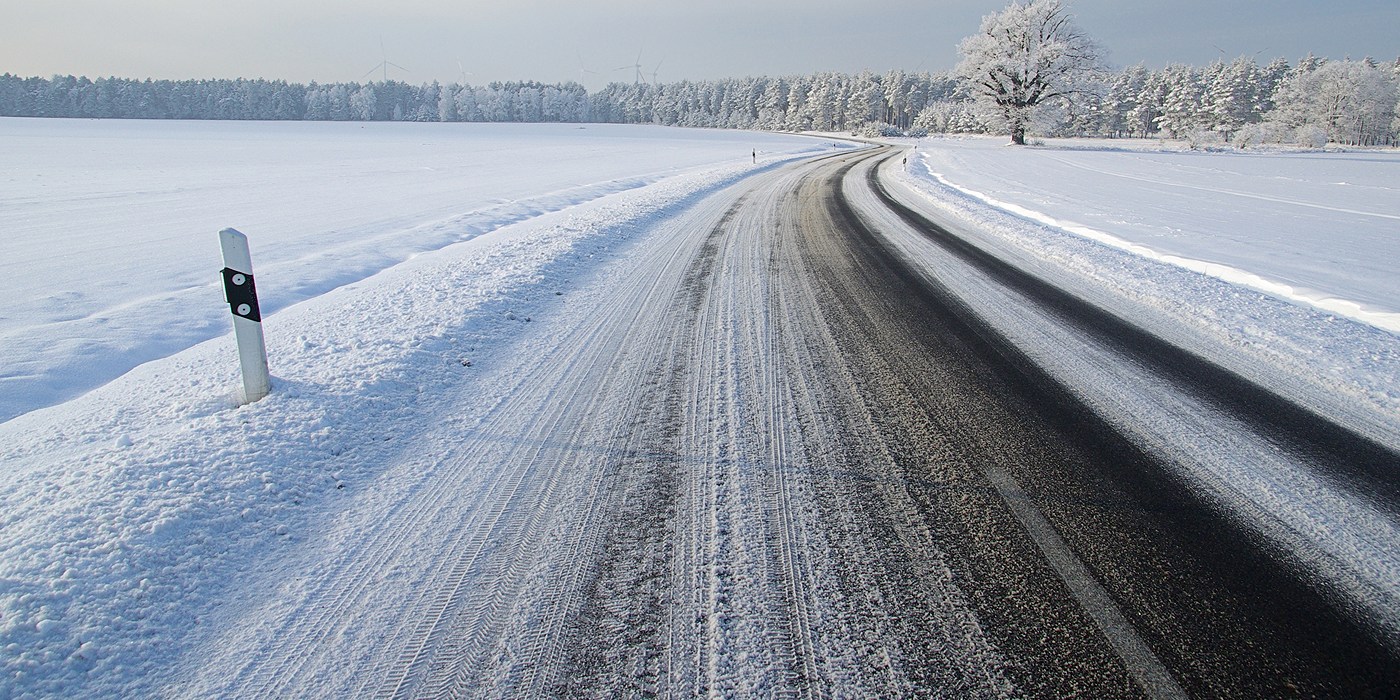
1341, 360
415, 252
1265, 262
396, 262
109, 258
1318, 228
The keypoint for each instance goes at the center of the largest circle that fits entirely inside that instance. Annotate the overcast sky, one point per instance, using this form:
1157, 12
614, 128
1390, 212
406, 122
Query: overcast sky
599, 40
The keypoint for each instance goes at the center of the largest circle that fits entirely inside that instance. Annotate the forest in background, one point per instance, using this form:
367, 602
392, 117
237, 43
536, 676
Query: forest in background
1312, 102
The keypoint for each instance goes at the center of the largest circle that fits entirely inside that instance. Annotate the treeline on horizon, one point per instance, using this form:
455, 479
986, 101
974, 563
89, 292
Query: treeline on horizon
1312, 102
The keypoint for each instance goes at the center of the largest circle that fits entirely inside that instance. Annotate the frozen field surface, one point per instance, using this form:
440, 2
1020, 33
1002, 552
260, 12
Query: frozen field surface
109, 256
1318, 228
395, 263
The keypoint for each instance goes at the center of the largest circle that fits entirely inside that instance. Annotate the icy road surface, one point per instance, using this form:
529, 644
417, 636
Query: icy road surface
807, 441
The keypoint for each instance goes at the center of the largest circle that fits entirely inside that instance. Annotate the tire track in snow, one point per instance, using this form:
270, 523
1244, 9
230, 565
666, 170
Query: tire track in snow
623, 641
461, 622
486, 473
790, 543
777, 586
1192, 580
504, 647
1149, 672
767, 460
1316, 481
1366, 463
492, 514
278, 666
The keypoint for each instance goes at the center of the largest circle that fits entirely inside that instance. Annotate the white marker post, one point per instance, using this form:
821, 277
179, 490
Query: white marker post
247, 320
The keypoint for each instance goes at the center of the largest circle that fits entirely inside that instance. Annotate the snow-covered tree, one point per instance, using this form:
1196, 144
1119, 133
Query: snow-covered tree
1181, 109
823, 102
1352, 102
866, 102
896, 87
1121, 98
1141, 118
447, 104
1270, 77
317, 103
338, 101
947, 116
1232, 98
1023, 57
772, 105
362, 104
799, 112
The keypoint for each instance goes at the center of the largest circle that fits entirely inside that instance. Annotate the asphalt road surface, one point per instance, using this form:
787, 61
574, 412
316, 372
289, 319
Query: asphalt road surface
805, 441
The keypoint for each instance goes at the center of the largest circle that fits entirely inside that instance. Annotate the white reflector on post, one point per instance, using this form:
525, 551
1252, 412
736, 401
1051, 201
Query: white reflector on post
242, 299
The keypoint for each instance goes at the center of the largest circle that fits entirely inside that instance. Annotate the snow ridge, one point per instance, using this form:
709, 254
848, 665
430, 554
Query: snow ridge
1381, 319
1341, 367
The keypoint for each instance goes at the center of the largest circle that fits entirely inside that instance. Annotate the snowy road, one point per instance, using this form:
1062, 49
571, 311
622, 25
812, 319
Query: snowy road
803, 442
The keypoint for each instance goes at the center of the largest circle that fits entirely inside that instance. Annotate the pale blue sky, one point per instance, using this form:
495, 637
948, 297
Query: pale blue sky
556, 40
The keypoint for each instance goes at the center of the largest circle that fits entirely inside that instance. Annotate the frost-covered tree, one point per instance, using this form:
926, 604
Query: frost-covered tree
799, 113
772, 105
447, 104
820, 104
896, 98
866, 102
1121, 98
528, 104
362, 104
1351, 102
1232, 96
338, 100
317, 104
1270, 77
1025, 56
1181, 110
1395, 122
1141, 118
467, 108
948, 116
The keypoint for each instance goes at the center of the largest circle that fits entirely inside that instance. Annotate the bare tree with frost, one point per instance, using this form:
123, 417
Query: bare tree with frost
1023, 57
1349, 102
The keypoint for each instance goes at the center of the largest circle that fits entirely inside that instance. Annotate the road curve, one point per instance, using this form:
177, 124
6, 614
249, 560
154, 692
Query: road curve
1229, 614
802, 441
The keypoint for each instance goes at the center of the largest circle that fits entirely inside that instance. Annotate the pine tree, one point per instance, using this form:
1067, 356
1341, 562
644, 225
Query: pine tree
1232, 96
1181, 104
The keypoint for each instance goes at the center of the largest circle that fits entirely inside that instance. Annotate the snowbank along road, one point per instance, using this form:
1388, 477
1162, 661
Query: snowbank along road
806, 441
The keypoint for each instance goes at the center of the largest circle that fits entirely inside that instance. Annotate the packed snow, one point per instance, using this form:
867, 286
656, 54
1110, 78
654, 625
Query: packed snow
395, 261
124, 513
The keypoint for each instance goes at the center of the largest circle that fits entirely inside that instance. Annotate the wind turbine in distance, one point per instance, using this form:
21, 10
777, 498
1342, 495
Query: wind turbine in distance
384, 64
654, 70
581, 68
640, 78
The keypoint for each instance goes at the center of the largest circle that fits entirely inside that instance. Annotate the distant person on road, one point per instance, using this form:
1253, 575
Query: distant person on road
755, 155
